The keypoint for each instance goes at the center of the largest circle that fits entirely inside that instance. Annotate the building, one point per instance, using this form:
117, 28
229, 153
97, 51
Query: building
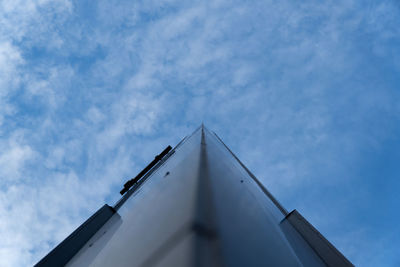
195, 205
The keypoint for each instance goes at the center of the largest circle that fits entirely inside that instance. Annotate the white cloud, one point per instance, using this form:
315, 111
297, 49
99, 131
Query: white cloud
10, 61
20, 18
13, 156
276, 80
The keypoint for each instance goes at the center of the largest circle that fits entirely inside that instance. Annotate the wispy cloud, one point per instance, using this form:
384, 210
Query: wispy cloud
305, 93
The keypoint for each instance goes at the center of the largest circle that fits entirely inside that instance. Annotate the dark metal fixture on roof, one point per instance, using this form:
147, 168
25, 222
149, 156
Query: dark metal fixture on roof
132, 181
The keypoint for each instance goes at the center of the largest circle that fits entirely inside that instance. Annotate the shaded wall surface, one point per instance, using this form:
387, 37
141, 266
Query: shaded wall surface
199, 206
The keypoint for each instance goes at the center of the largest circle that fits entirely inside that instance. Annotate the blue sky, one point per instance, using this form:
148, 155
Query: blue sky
305, 93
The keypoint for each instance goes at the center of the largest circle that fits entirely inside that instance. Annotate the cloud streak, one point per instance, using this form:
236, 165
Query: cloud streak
305, 94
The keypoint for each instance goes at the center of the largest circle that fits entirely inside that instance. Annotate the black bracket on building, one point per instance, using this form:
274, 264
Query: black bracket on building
133, 181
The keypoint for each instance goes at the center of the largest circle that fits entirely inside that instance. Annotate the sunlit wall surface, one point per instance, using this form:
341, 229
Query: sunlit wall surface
200, 206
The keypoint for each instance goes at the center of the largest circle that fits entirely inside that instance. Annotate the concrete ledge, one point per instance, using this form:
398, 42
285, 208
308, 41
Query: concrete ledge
325, 250
61, 254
